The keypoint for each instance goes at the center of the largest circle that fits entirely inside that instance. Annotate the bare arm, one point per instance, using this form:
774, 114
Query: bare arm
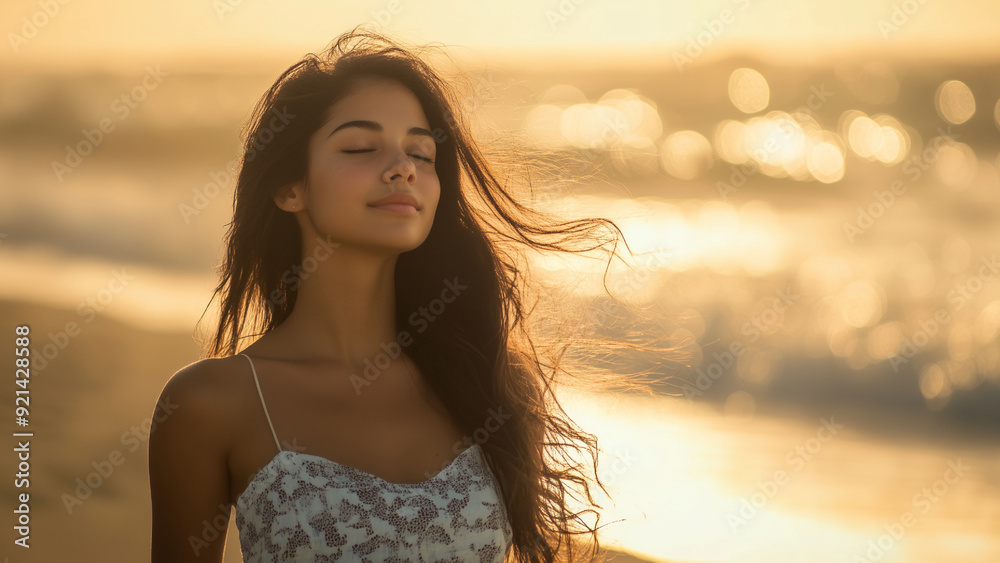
188, 476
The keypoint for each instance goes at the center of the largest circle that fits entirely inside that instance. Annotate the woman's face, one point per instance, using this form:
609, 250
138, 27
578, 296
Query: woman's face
376, 142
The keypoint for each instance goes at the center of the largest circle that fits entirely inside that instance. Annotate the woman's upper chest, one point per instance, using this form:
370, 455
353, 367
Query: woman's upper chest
392, 429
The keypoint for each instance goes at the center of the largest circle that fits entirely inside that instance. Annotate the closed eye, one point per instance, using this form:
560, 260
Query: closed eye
424, 158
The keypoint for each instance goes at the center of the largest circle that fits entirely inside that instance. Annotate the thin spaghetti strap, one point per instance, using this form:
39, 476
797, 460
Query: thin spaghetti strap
263, 404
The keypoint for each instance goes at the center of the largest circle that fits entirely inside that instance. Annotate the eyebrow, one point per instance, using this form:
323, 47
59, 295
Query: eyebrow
377, 127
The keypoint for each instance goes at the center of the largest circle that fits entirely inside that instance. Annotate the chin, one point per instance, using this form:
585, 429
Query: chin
398, 245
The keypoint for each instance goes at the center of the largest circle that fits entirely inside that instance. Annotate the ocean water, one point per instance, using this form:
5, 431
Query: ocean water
692, 484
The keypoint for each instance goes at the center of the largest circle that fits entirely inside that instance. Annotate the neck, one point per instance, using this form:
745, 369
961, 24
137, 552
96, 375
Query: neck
345, 304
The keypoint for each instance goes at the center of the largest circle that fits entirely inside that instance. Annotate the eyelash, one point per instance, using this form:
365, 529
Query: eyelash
424, 158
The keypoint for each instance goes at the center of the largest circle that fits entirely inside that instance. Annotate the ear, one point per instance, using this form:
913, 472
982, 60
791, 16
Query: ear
290, 198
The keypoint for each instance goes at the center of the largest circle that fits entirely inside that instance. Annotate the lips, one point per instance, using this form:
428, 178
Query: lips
397, 197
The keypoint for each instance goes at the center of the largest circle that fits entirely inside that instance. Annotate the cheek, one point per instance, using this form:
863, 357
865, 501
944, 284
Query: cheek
431, 190
340, 182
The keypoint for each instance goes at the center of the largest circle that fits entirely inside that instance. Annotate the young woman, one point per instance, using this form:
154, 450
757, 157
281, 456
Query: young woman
392, 406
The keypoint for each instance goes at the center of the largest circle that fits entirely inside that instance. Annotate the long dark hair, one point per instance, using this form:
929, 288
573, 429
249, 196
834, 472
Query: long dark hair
478, 355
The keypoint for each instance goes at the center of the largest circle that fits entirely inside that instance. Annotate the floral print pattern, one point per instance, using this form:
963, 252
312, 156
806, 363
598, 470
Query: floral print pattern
300, 507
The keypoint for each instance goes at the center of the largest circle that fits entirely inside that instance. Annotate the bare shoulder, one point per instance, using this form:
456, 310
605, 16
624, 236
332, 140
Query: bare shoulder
188, 452
210, 388
209, 376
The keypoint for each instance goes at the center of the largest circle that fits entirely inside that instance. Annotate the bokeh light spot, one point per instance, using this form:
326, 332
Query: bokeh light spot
954, 102
748, 90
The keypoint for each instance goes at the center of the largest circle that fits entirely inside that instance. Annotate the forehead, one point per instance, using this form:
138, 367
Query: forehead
378, 99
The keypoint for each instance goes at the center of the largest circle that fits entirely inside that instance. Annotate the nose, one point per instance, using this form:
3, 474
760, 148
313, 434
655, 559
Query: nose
401, 168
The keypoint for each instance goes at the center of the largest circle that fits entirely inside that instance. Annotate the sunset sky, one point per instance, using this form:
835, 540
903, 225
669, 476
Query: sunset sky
123, 33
